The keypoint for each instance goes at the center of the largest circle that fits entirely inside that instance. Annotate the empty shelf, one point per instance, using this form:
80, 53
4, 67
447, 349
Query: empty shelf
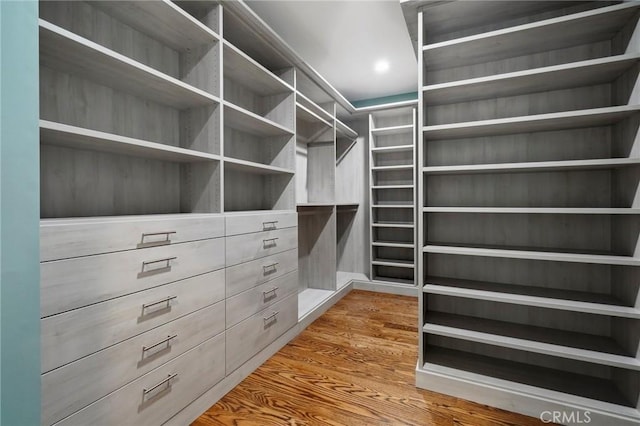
79, 138
254, 168
392, 225
162, 20
314, 107
392, 130
394, 262
396, 148
383, 187
538, 166
577, 74
566, 300
392, 244
247, 121
345, 130
533, 210
565, 31
393, 280
311, 298
392, 206
305, 114
67, 52
542, 340
514, 376
241, 68
534, 255
531, 123
392, 168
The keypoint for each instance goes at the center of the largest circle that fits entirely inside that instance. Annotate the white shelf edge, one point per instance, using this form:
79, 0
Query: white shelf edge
396, 148
94, 140
534, 210
345, 130
314, 105
314, 115
393, 263
252, 115
533, 166
392, 244
383, 187
392, 130
578, 354
537, 301
392, 206
126, 62
258, 168
256, 65
534, 255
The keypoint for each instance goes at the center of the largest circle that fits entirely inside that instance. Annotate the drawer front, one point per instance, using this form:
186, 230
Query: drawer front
157, 396
245, 224
255, 333
247, 247
71, 335
62, 239
76, 385
248, 275
73, 283
258, 298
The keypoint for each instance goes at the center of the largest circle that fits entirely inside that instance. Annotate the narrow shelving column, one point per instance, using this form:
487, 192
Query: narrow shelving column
392, 193
529, 224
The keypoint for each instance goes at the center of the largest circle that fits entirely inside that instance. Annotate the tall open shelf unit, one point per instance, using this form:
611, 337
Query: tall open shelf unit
528, 117
323, 143
392, 182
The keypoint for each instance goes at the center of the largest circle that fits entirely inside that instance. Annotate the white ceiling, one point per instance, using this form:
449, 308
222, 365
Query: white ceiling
342, 40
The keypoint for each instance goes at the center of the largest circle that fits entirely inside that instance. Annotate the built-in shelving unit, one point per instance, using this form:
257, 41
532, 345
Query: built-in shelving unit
528, 223
392, 157
96, 89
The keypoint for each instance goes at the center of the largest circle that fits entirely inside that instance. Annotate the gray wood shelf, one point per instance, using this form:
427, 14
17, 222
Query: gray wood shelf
385, 187
59, 134
538, 166
392, 130
392, 225
531, 123
345, 130
603, 259
379, 243
162, 20
305, 101
254, 168
392, 168
239, 67
392, 206
305, 114
565, 76
546, 341
244, 120
65, 51
542, 297
396, 263
519, 377
565, 31
534, 210
388, 149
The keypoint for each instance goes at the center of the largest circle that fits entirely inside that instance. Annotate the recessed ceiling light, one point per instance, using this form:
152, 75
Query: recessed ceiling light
381, 66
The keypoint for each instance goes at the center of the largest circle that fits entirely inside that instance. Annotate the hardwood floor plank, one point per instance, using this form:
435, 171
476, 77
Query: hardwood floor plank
353, 366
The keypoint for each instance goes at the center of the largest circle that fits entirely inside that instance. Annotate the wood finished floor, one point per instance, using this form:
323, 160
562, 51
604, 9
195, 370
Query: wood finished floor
353, 366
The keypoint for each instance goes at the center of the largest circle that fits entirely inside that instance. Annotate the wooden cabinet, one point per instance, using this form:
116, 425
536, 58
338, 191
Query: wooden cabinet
251, 335
155, 397
71, 387
247, 247
250, 274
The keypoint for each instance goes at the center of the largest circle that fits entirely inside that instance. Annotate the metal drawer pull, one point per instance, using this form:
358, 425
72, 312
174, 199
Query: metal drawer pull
166, 300
270, 241
151, 262
161, 242
270, 317
273, 290
153, 234
272, 224
166, 381
269, 267
162, 342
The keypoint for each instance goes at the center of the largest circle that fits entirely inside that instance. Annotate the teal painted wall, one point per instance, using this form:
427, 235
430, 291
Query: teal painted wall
19, 215
412, 96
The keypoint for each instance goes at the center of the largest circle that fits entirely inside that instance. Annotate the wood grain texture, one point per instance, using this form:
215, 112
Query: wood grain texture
353, 366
